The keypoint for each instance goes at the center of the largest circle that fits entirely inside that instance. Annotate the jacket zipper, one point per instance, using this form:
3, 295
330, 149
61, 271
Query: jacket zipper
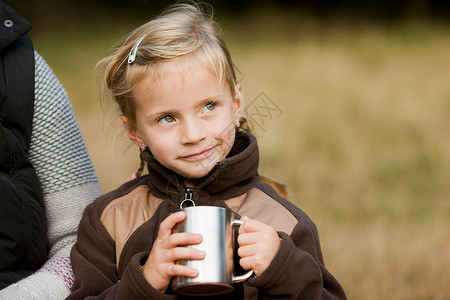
187, 199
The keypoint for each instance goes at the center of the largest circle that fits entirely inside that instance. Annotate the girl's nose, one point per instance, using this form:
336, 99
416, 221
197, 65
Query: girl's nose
193, 131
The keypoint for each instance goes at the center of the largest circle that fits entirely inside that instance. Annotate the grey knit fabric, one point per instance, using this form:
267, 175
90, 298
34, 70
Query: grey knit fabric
68, 180
57, 149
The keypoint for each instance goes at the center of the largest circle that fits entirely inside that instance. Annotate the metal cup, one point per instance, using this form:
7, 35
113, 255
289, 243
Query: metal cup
216, 270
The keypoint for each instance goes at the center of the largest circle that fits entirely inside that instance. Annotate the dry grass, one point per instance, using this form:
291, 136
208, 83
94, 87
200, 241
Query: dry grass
363, 140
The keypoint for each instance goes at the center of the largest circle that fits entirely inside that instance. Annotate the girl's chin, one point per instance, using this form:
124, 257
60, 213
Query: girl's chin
197, 172
194, 176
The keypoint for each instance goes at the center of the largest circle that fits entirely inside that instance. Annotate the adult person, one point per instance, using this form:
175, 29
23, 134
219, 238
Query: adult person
46, 176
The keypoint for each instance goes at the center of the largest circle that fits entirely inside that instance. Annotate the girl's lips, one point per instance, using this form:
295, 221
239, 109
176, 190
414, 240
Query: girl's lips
199, 155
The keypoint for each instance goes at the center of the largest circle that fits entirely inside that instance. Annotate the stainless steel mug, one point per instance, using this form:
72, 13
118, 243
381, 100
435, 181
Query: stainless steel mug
216, 270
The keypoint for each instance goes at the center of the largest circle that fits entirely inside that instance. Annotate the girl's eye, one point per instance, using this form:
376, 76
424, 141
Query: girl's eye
166, 120
209, 107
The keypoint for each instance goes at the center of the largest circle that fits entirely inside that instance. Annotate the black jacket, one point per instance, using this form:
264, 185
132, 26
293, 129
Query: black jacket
23, 245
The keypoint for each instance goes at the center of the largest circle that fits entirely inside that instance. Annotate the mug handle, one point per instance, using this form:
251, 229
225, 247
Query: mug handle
240, 278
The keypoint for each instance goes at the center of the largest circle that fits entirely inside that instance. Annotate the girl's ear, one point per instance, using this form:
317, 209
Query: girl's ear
132, 132
238, 102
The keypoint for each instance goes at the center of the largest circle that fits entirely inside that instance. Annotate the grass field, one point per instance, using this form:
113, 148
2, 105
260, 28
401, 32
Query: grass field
361, 135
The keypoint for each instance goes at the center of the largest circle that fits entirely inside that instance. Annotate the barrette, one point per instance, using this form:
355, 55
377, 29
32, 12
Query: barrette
132, 56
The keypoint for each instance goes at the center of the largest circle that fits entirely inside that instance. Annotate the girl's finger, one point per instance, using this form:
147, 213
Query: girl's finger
165, 228
183, 238
250, 225
246, 263
186, 253
248, 238
179, 270
246, 251
245, 218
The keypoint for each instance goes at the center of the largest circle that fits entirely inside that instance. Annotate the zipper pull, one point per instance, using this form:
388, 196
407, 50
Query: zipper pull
187, 199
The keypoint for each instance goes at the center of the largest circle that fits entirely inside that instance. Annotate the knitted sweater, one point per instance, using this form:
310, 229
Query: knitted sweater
68, 180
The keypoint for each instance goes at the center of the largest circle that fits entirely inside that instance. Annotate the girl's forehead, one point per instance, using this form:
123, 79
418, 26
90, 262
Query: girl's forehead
183, 65
171, 79
159, 74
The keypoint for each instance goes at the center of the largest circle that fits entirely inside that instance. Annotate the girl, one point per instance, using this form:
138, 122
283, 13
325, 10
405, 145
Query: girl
174, 82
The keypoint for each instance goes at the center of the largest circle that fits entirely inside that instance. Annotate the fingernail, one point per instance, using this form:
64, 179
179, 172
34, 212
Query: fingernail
181, 213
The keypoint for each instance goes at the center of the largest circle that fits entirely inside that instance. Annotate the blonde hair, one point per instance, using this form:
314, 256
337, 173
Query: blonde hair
182, 31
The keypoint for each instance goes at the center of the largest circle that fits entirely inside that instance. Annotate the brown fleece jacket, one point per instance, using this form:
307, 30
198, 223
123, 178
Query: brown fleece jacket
118, 229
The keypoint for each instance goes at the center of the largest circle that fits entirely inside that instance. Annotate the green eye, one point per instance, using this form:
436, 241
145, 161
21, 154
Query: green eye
209, 107
166, 120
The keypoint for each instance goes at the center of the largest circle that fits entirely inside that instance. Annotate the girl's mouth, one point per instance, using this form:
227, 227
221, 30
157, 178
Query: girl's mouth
199, 155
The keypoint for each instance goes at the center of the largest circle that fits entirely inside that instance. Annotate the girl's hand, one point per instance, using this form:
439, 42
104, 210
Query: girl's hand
258, 245
168, 248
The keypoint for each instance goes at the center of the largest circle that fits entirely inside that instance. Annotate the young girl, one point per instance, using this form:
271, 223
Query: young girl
174, 82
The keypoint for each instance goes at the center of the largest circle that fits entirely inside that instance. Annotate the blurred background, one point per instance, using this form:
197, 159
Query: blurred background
360, 95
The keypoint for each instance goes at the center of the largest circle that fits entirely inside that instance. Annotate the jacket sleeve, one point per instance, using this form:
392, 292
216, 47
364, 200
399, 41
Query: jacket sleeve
298, 271
68, 180
94, 265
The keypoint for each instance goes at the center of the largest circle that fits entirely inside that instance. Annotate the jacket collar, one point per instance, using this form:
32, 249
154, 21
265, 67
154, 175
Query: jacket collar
229, 178
12, 27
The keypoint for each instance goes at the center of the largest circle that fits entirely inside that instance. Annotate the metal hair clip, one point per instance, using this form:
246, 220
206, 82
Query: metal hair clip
133, 51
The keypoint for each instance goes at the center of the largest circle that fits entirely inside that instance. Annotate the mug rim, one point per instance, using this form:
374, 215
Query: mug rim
205, 206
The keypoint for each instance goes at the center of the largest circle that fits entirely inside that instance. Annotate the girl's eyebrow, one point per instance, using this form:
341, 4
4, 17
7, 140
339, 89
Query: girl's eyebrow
210, 99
